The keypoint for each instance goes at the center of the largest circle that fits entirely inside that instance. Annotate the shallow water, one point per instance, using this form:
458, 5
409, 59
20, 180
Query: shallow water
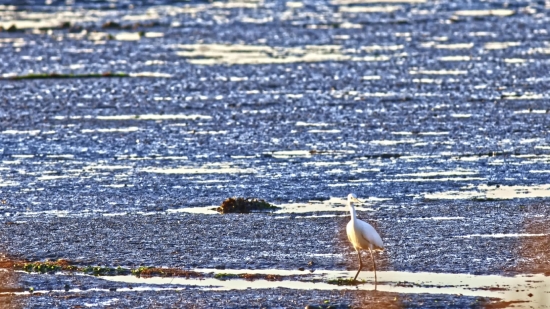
433, 113
525, 291
532, 289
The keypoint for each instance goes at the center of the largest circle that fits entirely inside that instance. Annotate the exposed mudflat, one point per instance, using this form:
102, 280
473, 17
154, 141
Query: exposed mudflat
123, 124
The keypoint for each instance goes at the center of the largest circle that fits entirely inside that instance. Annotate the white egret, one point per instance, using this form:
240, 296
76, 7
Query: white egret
362, 235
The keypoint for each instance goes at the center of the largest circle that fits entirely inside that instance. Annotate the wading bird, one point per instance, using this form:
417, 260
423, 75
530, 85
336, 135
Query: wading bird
362, 235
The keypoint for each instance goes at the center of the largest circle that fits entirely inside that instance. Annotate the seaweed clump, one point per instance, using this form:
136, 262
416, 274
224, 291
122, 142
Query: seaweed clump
46, 267
148, 272
244, 205
249, 277
345, 281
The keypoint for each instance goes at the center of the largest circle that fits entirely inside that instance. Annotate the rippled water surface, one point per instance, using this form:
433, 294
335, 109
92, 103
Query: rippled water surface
124, 123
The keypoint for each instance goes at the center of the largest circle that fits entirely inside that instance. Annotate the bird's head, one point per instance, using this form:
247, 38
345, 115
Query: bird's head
352, 198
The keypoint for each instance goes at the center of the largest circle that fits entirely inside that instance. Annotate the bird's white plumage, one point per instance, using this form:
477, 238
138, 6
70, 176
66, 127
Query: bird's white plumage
362, 235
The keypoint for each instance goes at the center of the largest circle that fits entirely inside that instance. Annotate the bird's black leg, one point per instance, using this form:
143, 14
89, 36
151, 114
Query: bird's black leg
360, 265
374, 266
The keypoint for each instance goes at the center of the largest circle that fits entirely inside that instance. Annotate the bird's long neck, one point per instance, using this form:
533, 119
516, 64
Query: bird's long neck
352, 211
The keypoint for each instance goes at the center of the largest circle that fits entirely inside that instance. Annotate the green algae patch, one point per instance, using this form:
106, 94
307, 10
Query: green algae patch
250, 277
65, 265
345, 281
244, 205
104, 271
51, 267
224, 276
147, 272
45, 267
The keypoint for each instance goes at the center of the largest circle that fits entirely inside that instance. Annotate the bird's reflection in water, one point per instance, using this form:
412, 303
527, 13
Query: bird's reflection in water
533, 253
9, 283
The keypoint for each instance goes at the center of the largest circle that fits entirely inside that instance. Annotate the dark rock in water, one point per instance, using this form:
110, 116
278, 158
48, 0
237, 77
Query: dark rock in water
244, 205
111, 25
65, 25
